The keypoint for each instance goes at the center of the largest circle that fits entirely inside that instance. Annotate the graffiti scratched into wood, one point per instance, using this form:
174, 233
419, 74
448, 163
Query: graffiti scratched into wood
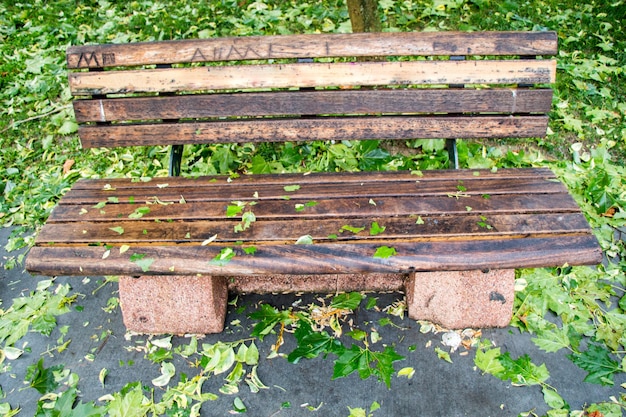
197, 53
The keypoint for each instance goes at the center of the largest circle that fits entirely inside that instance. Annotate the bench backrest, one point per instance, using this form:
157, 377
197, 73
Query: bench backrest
314, 87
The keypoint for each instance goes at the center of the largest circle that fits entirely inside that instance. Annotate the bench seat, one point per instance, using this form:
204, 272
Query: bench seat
435, 221
451, 239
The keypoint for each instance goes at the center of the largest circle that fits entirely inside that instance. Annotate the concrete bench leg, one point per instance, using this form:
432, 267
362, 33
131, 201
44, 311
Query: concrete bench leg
174, 304
462, 299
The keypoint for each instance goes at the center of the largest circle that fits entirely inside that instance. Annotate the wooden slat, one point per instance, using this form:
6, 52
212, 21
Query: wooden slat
315, 102
313, 46
343, 128
194, 191
330, 178
396, 206
455, 226
321, 258
313, 75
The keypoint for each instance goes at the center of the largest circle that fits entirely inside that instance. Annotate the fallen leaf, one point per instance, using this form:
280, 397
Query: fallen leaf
103, 373
407, 372
67, 165
305, 240
209, 240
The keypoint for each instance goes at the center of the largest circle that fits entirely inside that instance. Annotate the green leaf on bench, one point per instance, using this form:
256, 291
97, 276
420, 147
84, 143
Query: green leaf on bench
301, 207
352, 229
141, 261
376, 229
250, 250
139, 213
117, 229
305, 240
291, 188
223, 257
384, 252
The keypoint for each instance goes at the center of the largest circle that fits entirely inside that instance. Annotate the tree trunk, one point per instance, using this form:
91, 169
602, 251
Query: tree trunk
364, 15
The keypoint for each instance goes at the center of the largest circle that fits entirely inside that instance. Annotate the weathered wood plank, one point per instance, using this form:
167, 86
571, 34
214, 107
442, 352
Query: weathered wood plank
313, 75
193, 191
313, 46
341, 128
315, 178
343, 208
441, 227
321, 258
315, 103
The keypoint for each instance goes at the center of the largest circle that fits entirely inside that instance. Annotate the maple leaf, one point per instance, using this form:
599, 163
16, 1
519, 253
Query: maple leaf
361, 360
268, 317
552, 341
599, 365
129, 402
311, 344
42, 379
522, 371
488, 361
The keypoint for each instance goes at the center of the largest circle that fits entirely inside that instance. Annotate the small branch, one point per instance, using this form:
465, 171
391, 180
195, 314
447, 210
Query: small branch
39, 116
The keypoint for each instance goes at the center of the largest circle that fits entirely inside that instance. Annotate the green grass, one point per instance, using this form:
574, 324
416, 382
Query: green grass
586, 145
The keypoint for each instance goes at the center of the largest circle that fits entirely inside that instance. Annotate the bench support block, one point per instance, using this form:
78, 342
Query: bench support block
196, 304
266, 284
462, 299
174, 304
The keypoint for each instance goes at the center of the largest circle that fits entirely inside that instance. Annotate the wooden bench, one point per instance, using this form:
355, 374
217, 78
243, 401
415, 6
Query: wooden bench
450, 238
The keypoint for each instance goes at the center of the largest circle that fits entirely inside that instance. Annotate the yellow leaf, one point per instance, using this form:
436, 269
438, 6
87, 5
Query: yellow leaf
407, 372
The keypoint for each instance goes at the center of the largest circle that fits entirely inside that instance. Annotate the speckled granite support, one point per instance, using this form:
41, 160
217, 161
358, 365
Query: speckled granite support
316, 283
462, 299
197, 304
174, 304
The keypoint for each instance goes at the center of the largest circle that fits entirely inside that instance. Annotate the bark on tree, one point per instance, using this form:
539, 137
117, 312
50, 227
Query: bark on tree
364, 15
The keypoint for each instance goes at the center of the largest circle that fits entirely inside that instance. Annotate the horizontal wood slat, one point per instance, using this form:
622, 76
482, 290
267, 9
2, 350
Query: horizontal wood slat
194, 191
315, 103
313, 46
313, 75
321, 258
399, 206
330, 178
454, 226
475, 211
342, 128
